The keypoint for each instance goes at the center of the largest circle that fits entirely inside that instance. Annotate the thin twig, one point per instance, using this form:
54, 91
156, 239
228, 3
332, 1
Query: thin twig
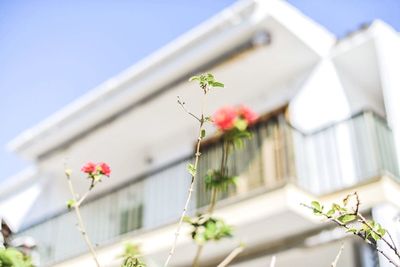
391, 239
81, 225
369, 242
360, 235
213, 200
231, 256
196, 260
380, 251
84, 196
273, 261
182, 104
364, 221
192, 183
334, 263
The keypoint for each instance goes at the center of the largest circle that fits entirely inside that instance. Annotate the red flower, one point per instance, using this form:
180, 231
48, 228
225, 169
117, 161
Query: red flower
104, 169
247, 114
89, 168
225, 118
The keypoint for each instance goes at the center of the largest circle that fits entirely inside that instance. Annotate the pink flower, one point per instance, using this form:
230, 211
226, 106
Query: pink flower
247, 114
104, 169
225, 118
89, 168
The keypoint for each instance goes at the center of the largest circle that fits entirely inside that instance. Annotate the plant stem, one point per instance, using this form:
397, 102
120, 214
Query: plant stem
214, 197
366, 223
83, 197
360, 235
209, 211
81, 225
392, 247
213, 201
192, 183
222, 170
196, 259
231, 256
368, 242
226, 157
334, 263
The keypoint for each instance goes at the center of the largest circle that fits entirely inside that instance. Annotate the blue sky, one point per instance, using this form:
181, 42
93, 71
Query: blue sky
52, 52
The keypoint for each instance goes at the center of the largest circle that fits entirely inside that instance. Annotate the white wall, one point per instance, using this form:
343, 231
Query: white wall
318, 256
388, 49
321, 99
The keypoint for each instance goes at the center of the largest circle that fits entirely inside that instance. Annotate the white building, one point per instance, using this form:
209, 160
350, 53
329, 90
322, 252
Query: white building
332, 126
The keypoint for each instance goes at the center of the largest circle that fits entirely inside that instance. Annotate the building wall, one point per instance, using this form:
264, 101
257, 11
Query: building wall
316, 256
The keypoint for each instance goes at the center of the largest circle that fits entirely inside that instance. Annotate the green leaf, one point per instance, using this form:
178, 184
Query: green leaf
374, 236
209, 229
191, 169
11, 257
187, 219
97, 177
352, 230
241, 124
208, 118
377, 231
381, 231
217, 84
203, 133
215, 179
338, 208
330, 212
206, 80
316, 205
68, 172
71, 203
194, 78
238, 143
346, 218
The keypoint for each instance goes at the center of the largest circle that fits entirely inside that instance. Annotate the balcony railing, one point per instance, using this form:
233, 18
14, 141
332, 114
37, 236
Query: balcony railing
330, 159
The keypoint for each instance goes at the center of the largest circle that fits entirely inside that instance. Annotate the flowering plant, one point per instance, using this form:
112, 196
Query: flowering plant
232, 123
228, 118
96, 172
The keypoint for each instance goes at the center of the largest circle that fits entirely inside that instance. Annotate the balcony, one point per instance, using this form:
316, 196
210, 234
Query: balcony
340, 156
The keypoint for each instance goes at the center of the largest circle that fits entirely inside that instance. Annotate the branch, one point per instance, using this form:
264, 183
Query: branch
182, 104
334, 263
392, 247
192, 183
231, 256
391, 239
357, 234
85, 195
197, 256
81, 225
380, 251
365, 222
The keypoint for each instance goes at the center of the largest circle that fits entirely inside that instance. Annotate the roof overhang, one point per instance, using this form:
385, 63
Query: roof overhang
188, 54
